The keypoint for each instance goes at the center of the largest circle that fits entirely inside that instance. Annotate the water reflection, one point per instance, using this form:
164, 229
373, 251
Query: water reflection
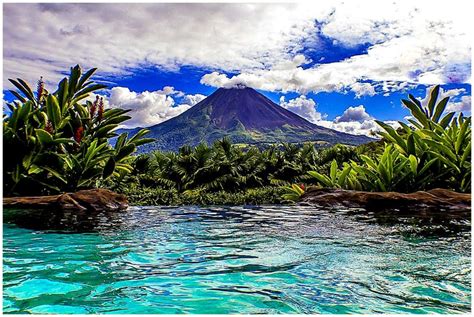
276, 218
270, 259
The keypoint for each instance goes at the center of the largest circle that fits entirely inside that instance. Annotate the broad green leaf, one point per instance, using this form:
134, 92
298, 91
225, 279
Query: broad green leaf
120, 141
343, 176
125, 151
53, 110
109, 168
86, 77
433, 98
413, 164
323, 179
44, 136
446, 120
17, 95
55, 173
416, 112
440, 109
102, 131
333, 171
73, 79
23, 87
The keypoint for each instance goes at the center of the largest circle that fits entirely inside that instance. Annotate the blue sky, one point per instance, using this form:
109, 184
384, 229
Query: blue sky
333, 104
337, 64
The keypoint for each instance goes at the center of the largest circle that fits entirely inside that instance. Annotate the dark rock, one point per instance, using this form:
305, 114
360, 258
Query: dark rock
84, 200
422, 202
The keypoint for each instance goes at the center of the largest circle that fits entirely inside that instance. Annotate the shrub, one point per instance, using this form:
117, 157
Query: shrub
138, 195
61, 143
435, 151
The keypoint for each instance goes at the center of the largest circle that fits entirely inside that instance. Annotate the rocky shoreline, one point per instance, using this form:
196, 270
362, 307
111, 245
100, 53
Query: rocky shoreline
93, 200
429, 202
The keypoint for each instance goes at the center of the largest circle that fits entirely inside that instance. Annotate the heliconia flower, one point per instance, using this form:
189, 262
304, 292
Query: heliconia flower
101, 109
302, 186
79, 134
49, 127
40, 89
94, 106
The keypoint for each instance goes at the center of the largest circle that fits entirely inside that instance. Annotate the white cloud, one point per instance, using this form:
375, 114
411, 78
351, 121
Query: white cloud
169, 90
354, 120
367, 127
464, 105
362, 89
193, 99
409, 45
302, 106
412, 60
120, 37
148, 108
353, 114
408, 41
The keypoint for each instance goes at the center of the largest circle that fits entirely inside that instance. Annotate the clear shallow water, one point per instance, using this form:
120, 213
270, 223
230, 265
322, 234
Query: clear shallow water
234, 260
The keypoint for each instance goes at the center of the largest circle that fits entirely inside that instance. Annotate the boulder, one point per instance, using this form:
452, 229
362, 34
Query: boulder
431, 201
83, 200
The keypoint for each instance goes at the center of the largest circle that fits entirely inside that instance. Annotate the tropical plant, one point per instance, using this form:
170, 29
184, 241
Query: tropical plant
343, 178
435, 151
61, 143
391, 171
293, 192
440, 143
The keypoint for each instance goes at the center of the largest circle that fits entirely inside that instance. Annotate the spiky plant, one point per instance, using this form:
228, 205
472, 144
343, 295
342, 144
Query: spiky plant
59, 141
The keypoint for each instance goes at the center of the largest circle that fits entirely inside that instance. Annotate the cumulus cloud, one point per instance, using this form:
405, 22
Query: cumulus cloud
354, 120
362, 89
353, 114
148, 108
367, 127
304, 107
193, 99
393, 61
408, 45
120, 37
464, 105
169, 90
264, 43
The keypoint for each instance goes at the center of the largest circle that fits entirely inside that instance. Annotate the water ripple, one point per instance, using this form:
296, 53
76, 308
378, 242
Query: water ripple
272, 259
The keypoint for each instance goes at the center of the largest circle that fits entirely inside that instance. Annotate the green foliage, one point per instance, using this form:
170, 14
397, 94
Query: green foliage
344, 178
146, 196
228, 167
389, 172
60, 143
293, 192
434, 152
225, 172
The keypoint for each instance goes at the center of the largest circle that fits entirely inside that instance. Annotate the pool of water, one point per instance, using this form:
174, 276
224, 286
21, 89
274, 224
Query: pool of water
274, 259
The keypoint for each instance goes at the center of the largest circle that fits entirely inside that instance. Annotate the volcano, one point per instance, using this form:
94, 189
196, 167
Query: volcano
245, 116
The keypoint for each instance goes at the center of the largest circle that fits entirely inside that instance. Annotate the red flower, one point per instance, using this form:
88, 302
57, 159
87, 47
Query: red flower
101, 109
40, 89
79, 134
49, 127
94, 107
302, 186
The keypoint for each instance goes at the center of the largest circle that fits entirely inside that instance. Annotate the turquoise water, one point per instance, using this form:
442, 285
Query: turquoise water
234, 260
